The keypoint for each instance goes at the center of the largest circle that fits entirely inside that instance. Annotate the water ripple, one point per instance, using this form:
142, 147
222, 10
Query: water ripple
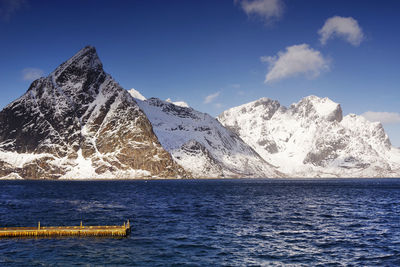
208, 222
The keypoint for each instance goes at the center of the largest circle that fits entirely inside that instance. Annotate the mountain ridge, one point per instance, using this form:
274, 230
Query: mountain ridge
78, 122
312, 138
201, 145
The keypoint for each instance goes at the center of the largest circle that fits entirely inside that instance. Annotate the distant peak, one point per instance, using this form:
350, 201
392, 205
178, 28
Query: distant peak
178, 103
317, 99
323, 108
265, 100
89, 47
86, 54
136, 94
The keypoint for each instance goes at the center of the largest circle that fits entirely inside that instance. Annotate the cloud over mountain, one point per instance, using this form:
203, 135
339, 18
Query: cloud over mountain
345, 28
296, 60
383, 117
210, 98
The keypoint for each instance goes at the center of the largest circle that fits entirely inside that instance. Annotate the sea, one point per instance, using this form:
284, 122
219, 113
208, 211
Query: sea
238, 222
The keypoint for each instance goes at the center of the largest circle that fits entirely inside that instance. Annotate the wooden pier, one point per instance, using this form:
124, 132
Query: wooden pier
58, 231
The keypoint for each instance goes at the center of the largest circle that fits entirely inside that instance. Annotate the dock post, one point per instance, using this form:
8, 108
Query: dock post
38, 227
81, 224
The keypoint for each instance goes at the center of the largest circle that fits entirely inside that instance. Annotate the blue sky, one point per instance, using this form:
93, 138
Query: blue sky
216, 54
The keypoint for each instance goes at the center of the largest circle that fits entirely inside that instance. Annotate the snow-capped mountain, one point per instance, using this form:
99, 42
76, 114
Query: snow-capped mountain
311, 138
178, 103
201, 145
79, 123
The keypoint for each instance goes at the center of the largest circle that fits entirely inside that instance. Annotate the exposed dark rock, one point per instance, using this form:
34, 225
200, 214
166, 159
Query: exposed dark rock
80, 110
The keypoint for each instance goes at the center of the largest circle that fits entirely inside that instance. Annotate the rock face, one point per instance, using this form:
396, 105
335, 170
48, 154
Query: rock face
312, 139
201, 145
79, 123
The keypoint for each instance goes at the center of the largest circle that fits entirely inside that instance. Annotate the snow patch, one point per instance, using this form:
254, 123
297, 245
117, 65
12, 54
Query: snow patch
178, 103
200, 144
136, 94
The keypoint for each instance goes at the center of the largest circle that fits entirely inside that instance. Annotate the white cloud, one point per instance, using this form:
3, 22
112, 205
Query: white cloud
9, 7
30, 74
297, 59
383, 117
208, 99
267, 10
218, 105
346, 28
235, 85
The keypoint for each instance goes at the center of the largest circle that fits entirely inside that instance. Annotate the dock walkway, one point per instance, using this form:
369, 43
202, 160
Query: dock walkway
54, 231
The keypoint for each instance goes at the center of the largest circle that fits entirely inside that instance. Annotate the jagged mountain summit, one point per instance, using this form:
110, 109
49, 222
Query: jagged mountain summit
311, 138
201, 145
79, 123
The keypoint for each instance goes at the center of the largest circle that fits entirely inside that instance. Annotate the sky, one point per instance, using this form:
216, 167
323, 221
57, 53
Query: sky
215, 55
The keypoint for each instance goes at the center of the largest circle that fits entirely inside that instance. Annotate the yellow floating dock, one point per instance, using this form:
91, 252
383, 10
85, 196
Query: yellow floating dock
55, 231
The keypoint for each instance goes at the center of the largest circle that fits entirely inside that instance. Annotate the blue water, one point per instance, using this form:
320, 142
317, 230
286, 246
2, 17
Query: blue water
208, 222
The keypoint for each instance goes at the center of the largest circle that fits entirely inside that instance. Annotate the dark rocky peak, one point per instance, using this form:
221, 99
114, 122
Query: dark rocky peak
83, 62
55, 108
79, 114
80, 75
73, 86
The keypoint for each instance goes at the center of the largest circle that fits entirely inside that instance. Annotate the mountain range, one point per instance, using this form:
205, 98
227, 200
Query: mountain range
79, 123
312, 138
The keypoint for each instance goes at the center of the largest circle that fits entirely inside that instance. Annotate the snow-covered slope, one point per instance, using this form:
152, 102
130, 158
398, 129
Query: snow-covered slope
312, 139
79, 123
201, 145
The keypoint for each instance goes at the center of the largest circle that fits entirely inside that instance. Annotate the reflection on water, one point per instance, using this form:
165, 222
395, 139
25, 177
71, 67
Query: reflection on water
208, 222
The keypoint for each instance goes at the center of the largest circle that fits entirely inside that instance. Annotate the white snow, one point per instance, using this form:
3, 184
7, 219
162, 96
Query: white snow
12, 176
310, 139
323, 106
19, 159
178, 103
200, 144
136, 94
